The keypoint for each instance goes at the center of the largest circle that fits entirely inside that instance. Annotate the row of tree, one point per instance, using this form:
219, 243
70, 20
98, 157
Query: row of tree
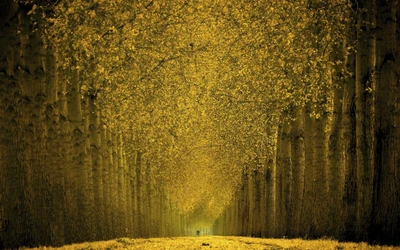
65, 175
149, 118
334, 171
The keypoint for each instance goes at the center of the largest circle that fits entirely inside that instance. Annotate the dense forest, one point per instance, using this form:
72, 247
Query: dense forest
152, 118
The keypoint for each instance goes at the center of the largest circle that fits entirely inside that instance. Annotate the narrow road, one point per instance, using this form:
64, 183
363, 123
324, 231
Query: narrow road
202, 242
218, 242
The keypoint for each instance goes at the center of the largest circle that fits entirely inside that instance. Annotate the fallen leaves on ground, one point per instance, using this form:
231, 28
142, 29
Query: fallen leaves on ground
219, 242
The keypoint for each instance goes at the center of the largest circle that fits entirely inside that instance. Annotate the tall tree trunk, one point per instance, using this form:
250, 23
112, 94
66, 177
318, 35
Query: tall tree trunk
140, 197
320, 176
244, 204
298, 165
66, 151
87, 164
33, 82
137, 202
13, 177
385, 226
251, 201
23, 165
283, 170
349, 144
79, 181
128, 196
254, 203
147, 199
113, 187
54, 150
306, 226
135, 191
105, 178
335, 159
365, 65
97, 169
121, 191
236, 207
270, 186
263, 201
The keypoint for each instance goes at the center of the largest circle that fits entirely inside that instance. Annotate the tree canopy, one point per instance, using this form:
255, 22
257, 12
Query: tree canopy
199, 86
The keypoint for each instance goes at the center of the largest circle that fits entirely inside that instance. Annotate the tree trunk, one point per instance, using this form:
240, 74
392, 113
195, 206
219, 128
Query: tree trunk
12, 215
263, 202
79, 173
365, 65
270, 186
25, 195
97, 169
121, 191
254, 204
298, 165
349, 154
335, 159
244, 204
140, 191
321, 185
54, 150
105, 177
283, 172
306, 226
87, 164
385, 226
128, 197
113, 187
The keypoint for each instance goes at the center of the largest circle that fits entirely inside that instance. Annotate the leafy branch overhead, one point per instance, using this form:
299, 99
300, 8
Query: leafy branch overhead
178, 77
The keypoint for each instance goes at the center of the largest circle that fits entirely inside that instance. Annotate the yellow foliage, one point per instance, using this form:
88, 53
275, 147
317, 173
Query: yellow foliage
199, 85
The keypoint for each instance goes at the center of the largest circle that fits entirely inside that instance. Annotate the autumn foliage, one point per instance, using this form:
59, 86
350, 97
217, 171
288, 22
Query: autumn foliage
154, 118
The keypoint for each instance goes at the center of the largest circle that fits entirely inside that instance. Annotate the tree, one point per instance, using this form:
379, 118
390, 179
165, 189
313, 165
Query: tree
385, 215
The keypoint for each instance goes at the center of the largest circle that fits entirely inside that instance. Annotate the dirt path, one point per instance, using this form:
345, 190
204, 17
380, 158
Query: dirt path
218, 242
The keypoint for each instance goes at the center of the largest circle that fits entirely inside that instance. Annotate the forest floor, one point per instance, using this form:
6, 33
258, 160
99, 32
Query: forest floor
218, 242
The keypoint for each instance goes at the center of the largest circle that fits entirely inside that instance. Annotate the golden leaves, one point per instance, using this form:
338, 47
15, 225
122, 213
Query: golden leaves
181, 77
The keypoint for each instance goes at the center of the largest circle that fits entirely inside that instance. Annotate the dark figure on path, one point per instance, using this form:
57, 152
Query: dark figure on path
198, 233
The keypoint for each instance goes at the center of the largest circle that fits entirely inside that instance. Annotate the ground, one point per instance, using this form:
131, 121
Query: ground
219, 242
